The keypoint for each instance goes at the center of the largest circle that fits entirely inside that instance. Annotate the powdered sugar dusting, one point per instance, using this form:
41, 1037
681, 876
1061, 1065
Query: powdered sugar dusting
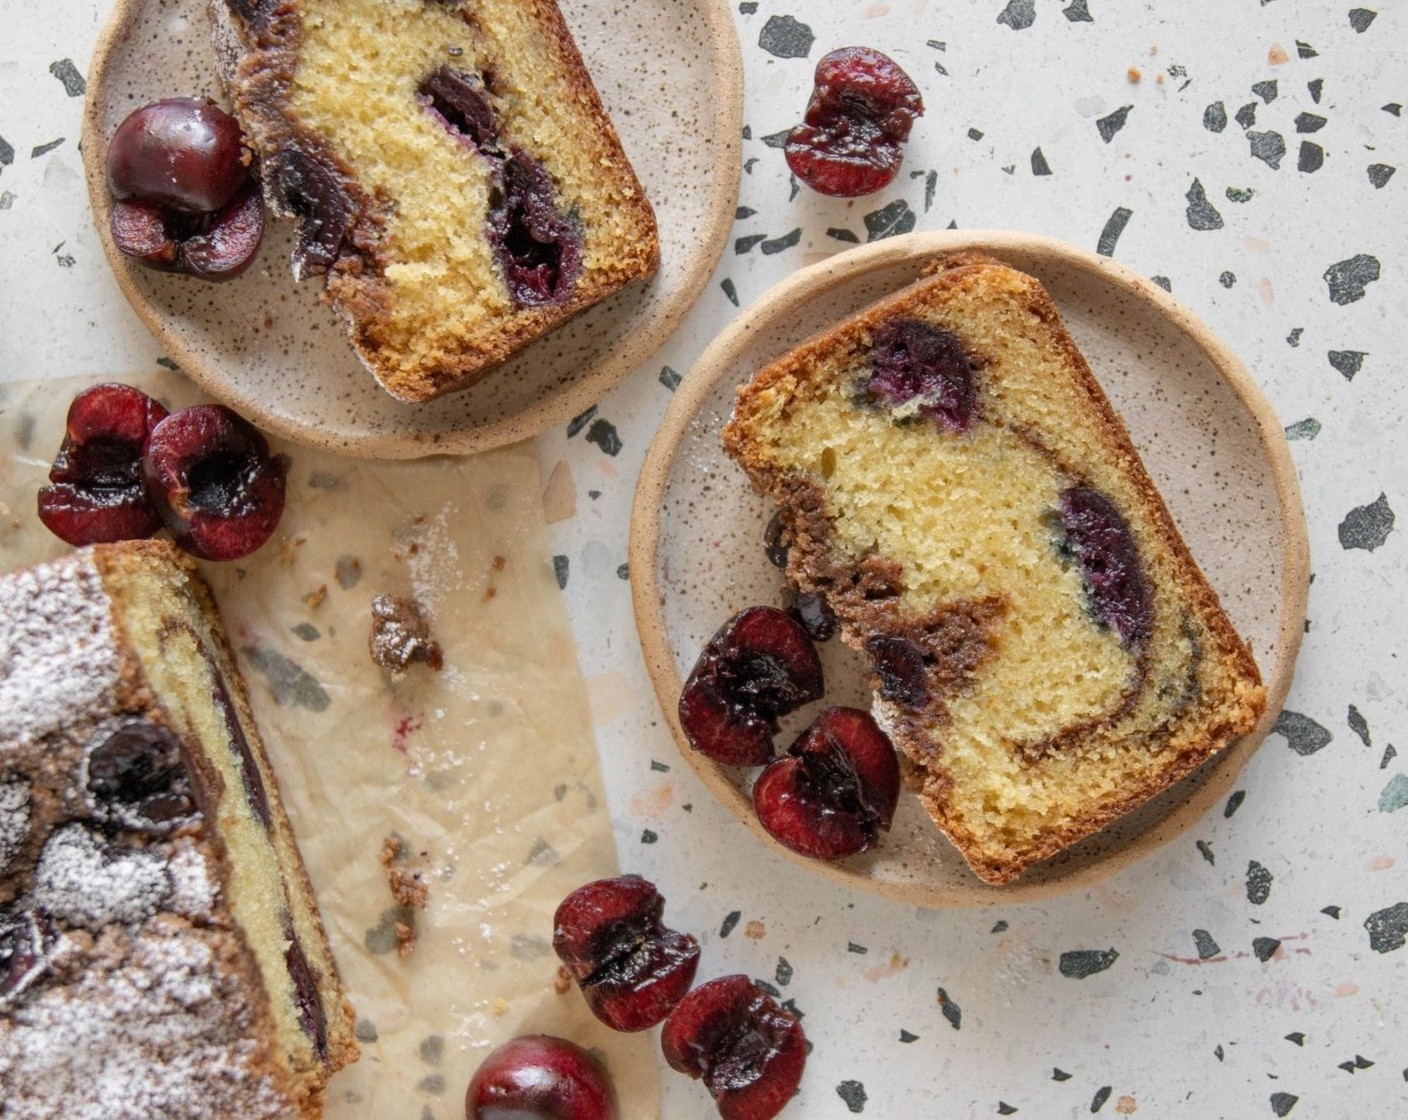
194, 891
154, 1037
82, 881
58, 656
14, 820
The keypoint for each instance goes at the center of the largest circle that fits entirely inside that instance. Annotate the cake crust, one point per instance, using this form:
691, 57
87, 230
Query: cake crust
962, 633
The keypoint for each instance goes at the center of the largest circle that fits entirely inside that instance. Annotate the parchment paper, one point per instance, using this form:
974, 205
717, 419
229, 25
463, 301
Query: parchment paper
487, 771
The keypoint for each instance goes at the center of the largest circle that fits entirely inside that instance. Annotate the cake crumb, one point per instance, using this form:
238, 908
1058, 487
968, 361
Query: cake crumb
408, 888
1135, 74
562, 982
755, 931
499, 1007
390, 850
315, 598
400, 635
405, 939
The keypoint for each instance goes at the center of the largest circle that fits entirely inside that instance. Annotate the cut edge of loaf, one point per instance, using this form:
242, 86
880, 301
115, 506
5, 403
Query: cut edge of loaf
764, 399
140, 578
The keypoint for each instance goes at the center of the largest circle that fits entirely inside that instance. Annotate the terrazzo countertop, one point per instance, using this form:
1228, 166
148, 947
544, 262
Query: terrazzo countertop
1243, 153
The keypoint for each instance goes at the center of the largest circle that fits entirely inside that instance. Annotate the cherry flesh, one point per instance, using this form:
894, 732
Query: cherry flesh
912, 360
95, 492
860, 114
749, 1051
834, 791
539, 250
213, 481
1100, 540
215, 246
631, 968
540, 1077
760, 665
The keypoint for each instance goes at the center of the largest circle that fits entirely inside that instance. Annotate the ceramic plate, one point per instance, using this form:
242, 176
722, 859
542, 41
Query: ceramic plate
1206, 433
670, 74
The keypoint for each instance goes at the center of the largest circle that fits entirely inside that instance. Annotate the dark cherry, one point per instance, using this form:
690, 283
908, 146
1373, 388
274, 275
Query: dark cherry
776, 541
95, 492
1099, 538
912, 360
216, 246
24, 937
539, 250
760, 665
540, 1077
900, 665
312, 192
631, 968
184, 153
834, 791
814, 613
749, 1051
211, 477
139, 774
253, 782
463, 104
860, 114
311, 1015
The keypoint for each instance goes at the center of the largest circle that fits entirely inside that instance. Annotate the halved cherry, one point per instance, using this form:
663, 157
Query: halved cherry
834, 791
631, 967
96, 493
211, 477
759, 665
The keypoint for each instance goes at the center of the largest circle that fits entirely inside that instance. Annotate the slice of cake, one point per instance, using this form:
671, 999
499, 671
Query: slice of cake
451, 169
955, 484
161, 953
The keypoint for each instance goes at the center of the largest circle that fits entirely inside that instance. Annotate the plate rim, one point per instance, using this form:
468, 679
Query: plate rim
620, 359
802, 287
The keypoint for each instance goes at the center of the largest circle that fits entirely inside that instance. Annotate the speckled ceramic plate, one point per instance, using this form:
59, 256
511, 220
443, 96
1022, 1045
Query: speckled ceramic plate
1206, 433
670, 74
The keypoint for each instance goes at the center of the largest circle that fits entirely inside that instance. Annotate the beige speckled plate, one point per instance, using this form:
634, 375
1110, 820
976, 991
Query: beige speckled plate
670, 74
1206, 433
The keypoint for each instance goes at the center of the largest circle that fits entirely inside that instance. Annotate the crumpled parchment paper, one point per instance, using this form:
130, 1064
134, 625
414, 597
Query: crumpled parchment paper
486, 772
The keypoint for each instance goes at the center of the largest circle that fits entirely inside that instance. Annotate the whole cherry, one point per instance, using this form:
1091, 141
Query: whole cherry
95, 492
631, 968
540, 1077
214, 482
185, 153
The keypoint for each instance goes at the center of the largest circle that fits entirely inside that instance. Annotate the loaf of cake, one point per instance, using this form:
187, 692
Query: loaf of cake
451, 169
161, 953
954, 483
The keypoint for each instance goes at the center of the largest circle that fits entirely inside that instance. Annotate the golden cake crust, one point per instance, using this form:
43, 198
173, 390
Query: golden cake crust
964, 635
